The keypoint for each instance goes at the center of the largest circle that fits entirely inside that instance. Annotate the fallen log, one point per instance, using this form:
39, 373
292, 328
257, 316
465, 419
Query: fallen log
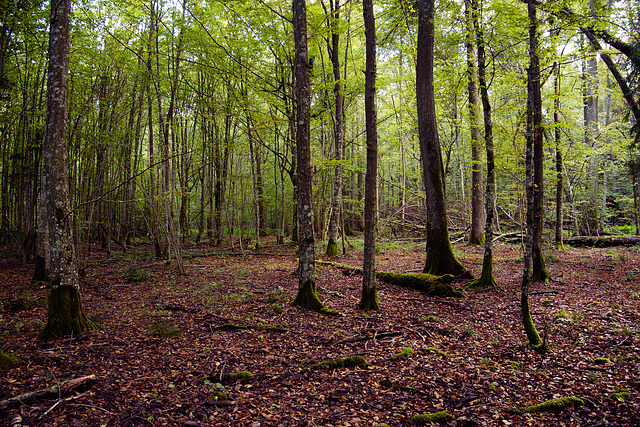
602, 241
54, 391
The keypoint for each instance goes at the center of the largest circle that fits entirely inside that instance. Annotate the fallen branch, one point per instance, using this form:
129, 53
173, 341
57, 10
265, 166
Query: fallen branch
602, 241
55, 391
367, 337
234, 327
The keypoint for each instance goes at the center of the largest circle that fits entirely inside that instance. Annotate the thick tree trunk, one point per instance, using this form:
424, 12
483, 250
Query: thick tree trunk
369, 300
65, 313
440, 258
307, 296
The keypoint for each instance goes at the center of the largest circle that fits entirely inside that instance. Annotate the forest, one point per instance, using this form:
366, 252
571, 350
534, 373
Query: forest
327, 212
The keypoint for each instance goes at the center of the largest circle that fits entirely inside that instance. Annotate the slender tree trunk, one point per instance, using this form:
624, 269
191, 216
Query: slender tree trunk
476, 236
43, 261
529, 327
65, 314
535, 130
307, 296
440, 258
338, 131
486, 279
369, 300
559, 243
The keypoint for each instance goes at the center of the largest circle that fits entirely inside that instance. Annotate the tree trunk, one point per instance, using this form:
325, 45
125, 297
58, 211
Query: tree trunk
535, 131
529, 327
440, 258
559, 174
338, 131
307, 296
65, 314
476, 236
42, 268
369, 300
486, 279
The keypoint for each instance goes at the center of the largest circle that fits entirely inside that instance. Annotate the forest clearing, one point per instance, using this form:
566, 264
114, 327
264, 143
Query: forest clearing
163, 355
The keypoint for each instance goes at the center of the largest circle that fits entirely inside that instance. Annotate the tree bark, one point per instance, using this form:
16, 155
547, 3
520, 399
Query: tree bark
476, 236
486, 279
369, 300
307, 296
65, 314
440, 258
529, 327
535, 130
338, 130
559, 173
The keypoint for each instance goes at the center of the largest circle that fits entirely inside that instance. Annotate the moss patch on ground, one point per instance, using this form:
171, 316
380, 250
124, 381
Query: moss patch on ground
554, 405
435, 417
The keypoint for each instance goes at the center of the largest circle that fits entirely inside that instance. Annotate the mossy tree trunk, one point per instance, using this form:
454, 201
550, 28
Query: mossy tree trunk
307, 296
529, 326
338, 129
486, 278
440, 258
477, 233
65, 308
369, 300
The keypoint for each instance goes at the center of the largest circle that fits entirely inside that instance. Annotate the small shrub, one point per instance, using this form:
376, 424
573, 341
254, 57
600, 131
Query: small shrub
160, 330
138, 275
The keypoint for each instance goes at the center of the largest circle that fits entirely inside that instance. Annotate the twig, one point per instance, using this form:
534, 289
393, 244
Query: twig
543, 292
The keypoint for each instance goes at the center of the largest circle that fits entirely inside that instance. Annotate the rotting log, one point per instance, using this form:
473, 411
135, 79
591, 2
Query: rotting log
602, 241
54, 391
432, 285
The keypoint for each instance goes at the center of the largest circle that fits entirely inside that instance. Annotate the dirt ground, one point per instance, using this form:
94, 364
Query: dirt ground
468, 357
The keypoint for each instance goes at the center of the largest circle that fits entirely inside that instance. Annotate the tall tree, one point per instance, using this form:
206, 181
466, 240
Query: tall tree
369, 300
535, 131
558, 240
440, 258
486, 279
338, 127
534, 135
476, 235
65, 315
307, 296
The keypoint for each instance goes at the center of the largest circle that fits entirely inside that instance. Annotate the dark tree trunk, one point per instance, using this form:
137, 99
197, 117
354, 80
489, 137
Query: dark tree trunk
65, 315
559, 175
338, 131
307, 296
476, 236
440, 258
369, 300
535, 131
486, 279
529, 327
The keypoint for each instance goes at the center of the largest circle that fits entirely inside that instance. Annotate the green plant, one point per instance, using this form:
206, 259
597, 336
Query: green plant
138, 275
160, 330
431, 319
551, 258
405, 352
7, 361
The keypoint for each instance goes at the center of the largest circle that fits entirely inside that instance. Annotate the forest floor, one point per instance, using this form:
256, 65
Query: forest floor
468, 356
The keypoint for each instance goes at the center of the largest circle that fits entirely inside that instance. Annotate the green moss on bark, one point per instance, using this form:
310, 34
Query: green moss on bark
308, 297
435, 286
369, 300
40, 272
66, 316
554, 405
332, 248
486, 279
530, 328
539, 273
